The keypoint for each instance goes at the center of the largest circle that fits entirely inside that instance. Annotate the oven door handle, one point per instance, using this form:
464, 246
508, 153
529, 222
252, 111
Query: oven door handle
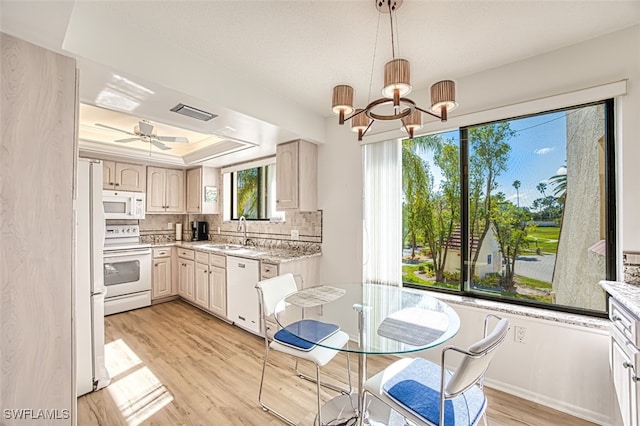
123, 253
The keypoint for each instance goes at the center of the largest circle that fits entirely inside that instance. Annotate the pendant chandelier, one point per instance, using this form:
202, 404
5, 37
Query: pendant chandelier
394, 105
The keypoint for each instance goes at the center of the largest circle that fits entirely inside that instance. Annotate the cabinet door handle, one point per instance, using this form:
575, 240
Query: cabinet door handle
614, 318
110, 183
626, 364
117, 184
241, 265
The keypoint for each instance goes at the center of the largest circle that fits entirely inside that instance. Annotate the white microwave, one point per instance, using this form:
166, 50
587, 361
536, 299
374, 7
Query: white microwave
123, 204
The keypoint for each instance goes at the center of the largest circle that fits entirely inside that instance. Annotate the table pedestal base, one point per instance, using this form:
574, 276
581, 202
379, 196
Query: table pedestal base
343, 411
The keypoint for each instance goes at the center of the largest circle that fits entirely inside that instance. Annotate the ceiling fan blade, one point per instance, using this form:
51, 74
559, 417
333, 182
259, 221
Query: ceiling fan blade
127, 140
114, 128
159, 145
177, 139
145, 128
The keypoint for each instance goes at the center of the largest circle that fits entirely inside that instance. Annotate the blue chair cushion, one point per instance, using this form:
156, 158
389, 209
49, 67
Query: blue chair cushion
304, 334
417, 387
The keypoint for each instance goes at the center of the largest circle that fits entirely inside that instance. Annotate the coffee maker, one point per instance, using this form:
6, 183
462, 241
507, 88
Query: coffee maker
199, 231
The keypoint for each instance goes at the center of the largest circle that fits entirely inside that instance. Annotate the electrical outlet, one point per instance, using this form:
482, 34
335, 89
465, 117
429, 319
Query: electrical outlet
295, 234
218, 230
170, 225
520, 334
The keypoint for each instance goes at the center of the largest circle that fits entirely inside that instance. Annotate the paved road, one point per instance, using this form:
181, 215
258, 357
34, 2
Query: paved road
536, 267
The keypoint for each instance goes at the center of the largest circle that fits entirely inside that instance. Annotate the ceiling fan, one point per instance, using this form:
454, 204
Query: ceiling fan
144, 132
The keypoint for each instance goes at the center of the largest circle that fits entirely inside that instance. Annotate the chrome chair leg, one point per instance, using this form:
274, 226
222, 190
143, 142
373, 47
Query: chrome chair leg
325, 384
318, 390
264, 406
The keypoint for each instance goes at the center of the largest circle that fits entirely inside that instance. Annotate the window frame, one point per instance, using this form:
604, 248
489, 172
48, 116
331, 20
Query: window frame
266, 187
609, 195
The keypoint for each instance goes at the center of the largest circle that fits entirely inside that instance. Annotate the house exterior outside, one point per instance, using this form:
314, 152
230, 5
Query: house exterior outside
489, 259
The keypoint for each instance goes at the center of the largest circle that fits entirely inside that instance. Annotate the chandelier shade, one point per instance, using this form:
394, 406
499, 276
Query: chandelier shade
443, 97
342, 100
394, 105
412, 123
397, 75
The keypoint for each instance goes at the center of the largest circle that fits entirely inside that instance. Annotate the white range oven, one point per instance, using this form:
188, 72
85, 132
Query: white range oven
127, 269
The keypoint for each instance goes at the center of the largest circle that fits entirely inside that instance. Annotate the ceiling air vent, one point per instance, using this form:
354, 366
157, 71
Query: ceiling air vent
192, 112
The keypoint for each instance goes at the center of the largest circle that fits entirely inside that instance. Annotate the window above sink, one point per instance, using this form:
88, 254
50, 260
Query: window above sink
249, 190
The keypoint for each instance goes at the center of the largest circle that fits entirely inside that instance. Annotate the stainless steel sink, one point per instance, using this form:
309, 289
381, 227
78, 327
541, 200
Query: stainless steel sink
224, 246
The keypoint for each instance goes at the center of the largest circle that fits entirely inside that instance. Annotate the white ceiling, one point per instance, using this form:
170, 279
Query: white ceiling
266, 68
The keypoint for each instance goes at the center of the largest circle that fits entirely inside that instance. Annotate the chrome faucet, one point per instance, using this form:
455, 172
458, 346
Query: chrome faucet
242, 223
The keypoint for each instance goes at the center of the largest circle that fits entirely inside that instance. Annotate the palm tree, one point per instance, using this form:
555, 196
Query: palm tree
559, 183
542, 187
516, 185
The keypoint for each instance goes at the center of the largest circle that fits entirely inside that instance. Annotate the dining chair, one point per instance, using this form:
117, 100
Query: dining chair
426, 393
271, 292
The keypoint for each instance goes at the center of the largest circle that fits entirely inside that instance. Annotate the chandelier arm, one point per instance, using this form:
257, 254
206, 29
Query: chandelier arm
361, 135
356, 112
430, 113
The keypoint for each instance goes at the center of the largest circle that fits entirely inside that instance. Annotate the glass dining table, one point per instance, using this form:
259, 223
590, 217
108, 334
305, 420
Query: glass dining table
380, 320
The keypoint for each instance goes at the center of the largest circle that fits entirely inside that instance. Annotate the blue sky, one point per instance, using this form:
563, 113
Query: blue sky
538, 151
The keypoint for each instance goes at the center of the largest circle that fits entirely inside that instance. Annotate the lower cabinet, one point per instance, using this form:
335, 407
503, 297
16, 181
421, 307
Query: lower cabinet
624, 359
201, 296
217, 285
186, 274
305, 271
161, 273
211, 283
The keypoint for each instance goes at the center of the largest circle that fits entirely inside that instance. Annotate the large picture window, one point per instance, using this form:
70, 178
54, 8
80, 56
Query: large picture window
520, 210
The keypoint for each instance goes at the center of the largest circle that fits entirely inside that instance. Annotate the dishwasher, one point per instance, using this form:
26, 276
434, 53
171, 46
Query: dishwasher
242, 297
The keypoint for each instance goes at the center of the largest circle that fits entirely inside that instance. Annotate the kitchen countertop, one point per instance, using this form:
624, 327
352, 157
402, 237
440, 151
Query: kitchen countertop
257, 253
627, 294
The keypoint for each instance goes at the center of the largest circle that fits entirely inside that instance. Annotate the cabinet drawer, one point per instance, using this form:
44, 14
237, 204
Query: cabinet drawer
162, 252
217, 260
202, 257
186, 253
268, 270
624, 321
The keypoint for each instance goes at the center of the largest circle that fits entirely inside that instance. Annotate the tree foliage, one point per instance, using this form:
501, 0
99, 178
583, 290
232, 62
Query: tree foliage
488, 159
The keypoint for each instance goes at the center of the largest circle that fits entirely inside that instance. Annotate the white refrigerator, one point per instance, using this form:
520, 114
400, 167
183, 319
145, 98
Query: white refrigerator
91, 373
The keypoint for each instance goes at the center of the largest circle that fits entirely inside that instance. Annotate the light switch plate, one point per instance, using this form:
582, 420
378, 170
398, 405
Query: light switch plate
295, 234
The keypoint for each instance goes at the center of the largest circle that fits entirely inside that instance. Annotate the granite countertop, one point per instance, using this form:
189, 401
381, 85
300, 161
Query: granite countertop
627, 294
257, 253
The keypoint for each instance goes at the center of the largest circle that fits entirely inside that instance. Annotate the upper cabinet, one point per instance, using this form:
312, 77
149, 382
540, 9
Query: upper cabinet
297, 176
165, 190
123, 176
202, 190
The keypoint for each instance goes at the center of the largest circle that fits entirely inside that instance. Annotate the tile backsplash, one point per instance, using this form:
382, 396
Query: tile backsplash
155, 229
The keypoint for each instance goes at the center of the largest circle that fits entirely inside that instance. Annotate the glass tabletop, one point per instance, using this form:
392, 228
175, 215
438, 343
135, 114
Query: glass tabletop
381, 319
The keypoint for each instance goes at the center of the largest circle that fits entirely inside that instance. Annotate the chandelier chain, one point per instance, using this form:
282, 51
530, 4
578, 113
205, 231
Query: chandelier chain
373, 62
391, 13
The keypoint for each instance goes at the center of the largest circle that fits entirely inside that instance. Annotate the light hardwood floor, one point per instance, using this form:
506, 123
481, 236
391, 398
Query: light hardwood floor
172, 364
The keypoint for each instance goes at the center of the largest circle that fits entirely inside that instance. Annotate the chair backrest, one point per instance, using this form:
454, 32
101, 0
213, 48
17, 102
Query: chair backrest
476, 360
273, 290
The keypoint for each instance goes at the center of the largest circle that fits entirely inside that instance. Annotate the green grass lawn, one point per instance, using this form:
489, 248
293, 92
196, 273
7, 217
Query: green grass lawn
530, 282
547, 239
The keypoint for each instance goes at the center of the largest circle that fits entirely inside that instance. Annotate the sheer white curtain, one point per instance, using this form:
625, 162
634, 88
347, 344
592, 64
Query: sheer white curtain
382, 215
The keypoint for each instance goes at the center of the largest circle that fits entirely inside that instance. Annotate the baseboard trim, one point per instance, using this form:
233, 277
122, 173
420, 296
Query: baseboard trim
573, 410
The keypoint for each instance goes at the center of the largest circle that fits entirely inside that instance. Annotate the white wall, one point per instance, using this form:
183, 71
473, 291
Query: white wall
557, 358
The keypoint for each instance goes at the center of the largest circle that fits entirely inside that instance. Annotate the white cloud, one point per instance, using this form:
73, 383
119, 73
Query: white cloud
561, 171
543, 151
